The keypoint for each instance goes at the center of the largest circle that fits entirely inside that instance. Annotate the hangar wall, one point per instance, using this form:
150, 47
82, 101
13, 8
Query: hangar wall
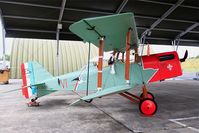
73, 55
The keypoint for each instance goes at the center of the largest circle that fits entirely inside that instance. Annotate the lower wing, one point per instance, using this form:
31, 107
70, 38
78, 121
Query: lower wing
105, 92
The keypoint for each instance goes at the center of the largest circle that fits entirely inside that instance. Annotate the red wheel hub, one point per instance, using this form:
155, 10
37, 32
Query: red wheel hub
148, 107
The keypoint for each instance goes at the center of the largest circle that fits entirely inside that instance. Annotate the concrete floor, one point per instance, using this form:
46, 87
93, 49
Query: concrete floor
178, 112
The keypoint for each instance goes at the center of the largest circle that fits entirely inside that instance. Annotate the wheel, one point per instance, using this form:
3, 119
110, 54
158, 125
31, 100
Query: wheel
149, 95
89, 101
32, 100
33, 104
7, 82
148, 107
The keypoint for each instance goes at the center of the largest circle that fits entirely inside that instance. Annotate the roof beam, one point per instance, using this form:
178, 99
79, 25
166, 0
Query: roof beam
53, 32
30, 30
158, 38
36, 19
55, 7
29, 4
49, 31
166, 19
68, 21
121, 7
34, 30
168, 39
30, 18
171, 9
169, 30
170, 4
159, 29
186, 31
89, 11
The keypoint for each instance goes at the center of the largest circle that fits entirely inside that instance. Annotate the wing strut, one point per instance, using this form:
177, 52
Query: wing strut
127, 64
100, 63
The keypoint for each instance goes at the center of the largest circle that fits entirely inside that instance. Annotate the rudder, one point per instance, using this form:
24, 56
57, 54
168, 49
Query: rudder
32, 73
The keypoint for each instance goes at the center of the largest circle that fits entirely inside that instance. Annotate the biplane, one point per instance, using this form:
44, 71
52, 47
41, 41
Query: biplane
116, 33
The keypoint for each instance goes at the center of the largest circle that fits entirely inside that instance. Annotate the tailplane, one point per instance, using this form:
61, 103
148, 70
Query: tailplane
32, 75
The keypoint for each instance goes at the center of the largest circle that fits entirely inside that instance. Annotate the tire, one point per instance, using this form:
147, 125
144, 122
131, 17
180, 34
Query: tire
7, 82
148, 107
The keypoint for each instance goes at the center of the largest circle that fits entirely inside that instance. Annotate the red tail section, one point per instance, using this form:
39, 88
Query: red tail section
24, 79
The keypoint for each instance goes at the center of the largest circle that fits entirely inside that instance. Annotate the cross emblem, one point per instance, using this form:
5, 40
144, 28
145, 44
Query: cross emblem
170, 67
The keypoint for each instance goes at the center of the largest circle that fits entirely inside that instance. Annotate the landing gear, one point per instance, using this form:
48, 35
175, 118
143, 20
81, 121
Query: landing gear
33, 103
147, 104
148, 107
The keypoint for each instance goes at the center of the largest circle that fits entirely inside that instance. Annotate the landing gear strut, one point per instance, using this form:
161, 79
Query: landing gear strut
147, 104
33, 103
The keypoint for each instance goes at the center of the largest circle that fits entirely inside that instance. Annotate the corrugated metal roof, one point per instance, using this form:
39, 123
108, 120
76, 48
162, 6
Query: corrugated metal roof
167, 20
73, 55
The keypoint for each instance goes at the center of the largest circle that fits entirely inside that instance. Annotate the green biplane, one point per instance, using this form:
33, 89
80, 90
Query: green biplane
115, 33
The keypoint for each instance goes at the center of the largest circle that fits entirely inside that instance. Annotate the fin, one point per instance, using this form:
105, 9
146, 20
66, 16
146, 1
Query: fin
32, 76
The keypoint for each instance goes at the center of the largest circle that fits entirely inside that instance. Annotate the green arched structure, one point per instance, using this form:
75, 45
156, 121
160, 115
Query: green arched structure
73, 55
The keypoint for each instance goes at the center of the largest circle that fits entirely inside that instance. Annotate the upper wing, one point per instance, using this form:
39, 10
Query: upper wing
112, 27
108, 91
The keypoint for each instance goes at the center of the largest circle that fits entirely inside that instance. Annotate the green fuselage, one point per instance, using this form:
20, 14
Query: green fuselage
66, 82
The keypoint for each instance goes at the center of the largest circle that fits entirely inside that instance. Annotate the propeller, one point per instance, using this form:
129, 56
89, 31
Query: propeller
185, 56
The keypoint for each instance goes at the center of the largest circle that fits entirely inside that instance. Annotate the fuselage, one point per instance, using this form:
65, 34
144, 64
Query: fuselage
151, 68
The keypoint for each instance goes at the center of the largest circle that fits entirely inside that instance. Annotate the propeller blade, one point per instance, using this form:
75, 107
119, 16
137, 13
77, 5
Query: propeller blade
185, 56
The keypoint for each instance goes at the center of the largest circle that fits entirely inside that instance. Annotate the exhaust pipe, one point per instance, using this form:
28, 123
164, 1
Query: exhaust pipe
185, 56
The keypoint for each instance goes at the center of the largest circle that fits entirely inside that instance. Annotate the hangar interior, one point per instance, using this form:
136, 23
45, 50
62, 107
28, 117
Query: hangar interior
161, 22
165, 22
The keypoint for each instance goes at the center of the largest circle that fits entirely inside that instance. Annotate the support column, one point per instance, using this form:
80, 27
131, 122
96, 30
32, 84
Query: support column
57, 55
100, 63
3, 40
88, 68
127, 64
4, 47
